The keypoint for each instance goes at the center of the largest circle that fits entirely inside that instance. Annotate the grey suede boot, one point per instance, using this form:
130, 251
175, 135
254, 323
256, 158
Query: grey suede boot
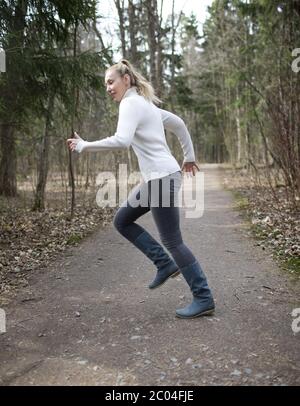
203, 302
166, 266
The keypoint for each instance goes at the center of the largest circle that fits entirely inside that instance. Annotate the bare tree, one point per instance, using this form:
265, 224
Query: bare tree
121, 11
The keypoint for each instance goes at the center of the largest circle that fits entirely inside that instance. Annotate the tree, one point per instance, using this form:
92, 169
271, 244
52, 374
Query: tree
23, 85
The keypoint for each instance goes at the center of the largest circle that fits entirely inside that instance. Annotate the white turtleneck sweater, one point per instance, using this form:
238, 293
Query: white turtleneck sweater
141, 124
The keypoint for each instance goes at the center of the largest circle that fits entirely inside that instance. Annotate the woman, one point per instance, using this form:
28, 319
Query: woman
141, 124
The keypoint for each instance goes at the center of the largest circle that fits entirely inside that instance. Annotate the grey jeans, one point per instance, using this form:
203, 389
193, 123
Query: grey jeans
160, 196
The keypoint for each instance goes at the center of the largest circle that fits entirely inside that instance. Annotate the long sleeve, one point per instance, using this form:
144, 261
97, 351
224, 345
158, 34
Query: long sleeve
177, 126
127, 123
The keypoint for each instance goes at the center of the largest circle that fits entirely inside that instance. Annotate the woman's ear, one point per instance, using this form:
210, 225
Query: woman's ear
127, 78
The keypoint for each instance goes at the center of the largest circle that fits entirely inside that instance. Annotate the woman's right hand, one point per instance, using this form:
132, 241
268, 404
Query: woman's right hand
72, 142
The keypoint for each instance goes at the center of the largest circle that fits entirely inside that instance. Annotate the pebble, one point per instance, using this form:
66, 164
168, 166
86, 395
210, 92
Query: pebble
236, 372
83, 362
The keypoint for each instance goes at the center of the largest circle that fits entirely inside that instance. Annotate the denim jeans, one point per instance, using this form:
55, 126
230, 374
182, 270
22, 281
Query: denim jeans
160, 196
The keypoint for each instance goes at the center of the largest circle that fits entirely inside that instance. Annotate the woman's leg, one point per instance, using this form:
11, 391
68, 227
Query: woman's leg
129, 212
134, 207
167, 220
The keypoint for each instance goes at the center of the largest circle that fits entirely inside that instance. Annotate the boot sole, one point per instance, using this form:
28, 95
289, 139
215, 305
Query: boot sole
206, 313
173, 275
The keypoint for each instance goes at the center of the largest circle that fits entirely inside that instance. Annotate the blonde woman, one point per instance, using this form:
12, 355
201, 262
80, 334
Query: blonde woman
141, 125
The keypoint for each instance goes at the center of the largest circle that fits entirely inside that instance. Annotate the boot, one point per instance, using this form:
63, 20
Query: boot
166, 266
203, 302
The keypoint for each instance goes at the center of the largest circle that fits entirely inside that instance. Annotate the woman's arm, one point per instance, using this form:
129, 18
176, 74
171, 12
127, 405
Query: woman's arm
176, 125
127, 124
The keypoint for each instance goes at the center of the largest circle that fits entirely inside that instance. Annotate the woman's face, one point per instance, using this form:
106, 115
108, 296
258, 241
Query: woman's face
116, 85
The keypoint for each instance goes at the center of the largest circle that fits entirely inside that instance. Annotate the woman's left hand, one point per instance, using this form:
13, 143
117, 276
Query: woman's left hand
72, 142
190, 167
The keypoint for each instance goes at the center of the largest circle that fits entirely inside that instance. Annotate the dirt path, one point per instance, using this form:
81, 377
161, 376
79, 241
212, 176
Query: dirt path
90, 319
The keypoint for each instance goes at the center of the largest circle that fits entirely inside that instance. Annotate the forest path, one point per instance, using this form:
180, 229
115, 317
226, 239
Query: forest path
89, 318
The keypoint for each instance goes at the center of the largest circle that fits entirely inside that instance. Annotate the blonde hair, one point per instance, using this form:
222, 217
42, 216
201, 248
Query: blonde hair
144, 87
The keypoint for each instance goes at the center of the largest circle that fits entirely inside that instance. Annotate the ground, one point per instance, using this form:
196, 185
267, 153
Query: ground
90, 319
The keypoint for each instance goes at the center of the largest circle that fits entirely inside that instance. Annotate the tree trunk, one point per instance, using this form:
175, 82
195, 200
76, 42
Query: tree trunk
8, 165
132, 32
152, 13
8, 179
120, 9
39, 201
88, 170
130, 163
238, 131
159, 59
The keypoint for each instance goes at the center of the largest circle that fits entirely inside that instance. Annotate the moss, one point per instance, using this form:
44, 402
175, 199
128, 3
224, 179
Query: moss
74, 239
258, 231
290, 264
